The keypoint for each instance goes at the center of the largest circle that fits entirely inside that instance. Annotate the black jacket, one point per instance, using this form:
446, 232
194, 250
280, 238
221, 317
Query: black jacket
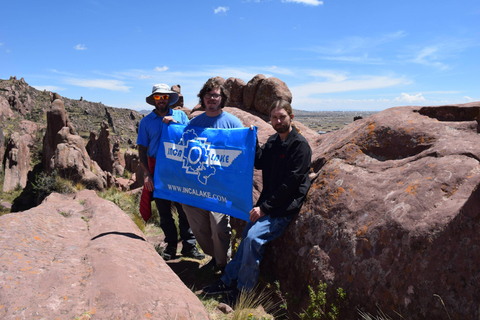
285, 167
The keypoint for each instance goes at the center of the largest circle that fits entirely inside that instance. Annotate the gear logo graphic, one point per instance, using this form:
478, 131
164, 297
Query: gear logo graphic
198, 156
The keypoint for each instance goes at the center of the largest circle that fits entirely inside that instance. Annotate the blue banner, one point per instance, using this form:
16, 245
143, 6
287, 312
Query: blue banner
207, 168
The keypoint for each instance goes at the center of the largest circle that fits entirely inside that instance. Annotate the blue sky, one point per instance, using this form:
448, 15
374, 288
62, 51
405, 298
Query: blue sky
333, 54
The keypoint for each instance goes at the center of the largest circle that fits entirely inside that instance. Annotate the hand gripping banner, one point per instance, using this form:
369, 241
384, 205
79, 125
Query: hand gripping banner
207, 168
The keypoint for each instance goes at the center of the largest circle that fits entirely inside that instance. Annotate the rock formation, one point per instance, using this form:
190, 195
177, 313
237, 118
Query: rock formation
18, 155
80, 255
65, 151
235, 88
251, 90
57, 118
17, 162
393, 216
100, 149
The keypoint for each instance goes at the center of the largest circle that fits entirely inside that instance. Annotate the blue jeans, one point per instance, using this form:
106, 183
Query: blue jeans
245, 266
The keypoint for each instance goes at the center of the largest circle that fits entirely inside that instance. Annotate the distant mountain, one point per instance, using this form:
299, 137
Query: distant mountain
28, 103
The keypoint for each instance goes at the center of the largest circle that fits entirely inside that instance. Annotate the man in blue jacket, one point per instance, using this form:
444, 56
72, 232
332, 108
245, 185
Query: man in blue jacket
149, 132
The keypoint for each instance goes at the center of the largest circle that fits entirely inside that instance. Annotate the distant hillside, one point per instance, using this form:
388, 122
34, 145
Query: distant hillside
28, 103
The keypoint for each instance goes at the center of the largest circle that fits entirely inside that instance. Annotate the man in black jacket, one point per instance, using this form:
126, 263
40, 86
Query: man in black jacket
285, 163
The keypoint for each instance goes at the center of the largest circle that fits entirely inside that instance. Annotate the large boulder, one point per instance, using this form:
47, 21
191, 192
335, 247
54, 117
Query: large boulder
18, 153
57, 118
100, 149
235, 88
5, 110
268, 91
393, 216
71, 160
17, 162
79, 256
250, 91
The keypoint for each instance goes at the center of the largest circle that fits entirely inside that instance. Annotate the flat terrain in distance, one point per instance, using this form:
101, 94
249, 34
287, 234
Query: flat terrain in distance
326, 121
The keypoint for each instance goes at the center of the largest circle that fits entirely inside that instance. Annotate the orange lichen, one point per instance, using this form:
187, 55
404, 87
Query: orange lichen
362, 231
411, 189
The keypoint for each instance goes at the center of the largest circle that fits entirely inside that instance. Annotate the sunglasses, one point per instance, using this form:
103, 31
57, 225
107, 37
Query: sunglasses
213, 96
161, 97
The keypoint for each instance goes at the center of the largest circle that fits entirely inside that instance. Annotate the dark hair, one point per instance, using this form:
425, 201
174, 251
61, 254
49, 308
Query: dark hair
282, 104
285, 105
211, 84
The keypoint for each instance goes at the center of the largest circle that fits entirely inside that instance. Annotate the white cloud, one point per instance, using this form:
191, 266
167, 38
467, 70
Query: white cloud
112, 85
161, 69
429, 56
306, 2
145, 76
361, 83
468, 98
49, 88
405, 97
329, 75
221, 10
80, 47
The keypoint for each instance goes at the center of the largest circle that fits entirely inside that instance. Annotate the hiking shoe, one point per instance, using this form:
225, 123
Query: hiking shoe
193, 253
170, 253
217, 287
212, 267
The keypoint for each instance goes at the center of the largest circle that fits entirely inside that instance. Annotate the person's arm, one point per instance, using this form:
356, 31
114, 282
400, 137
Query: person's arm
147, 175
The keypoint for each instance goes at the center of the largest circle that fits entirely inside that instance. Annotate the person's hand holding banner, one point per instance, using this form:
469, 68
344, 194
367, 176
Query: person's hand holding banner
207, 168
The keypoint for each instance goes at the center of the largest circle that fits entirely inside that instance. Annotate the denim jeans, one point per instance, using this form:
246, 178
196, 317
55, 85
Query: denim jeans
245, 266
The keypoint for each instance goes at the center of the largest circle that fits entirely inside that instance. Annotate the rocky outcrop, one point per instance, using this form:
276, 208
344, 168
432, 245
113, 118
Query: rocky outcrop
100, 149
17, 162
393, 216
180, 102
235, 89
65, 151
80, 256
57, 118
269, 91
18, 155
71, 160
2, 148
5, 111
19, 100
251, 90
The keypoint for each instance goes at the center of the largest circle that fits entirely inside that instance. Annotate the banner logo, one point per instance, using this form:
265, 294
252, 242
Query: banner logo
198, 156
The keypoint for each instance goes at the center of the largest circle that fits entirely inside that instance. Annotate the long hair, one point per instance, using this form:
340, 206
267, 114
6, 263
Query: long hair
285, 105
211, 84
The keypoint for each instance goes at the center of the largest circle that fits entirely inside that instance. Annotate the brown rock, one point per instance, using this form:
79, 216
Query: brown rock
392, 217
100, 149
235, 87
17, 162
80, 255
57, 118
270, 90
72, 161
179, 103
5, 110
251, 90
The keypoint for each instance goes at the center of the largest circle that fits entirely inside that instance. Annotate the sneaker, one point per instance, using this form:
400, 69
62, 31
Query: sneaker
217, 287
170, 253
193, 253
212, 267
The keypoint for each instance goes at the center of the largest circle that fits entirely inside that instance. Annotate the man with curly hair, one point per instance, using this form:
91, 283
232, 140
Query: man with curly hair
212, 229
